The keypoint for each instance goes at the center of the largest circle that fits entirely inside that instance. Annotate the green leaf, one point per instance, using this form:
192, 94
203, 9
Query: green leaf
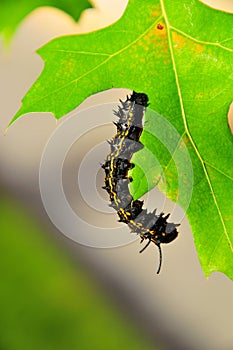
13, 12
179, 52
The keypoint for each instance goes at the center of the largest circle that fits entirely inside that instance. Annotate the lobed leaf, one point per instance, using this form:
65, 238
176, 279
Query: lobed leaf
179, 52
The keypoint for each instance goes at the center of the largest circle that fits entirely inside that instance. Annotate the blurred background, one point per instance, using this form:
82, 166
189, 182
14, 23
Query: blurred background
58, 294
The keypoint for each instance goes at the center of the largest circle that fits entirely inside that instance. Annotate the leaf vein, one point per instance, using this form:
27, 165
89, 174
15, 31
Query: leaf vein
102, 63
186, 124
218, 170
172, 156
218, 44
80, 52
214, 250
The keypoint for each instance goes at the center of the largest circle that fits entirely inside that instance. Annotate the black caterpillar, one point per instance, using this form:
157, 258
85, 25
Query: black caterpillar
149, 226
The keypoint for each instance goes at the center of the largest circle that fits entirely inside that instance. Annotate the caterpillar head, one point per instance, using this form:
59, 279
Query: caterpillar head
139, 98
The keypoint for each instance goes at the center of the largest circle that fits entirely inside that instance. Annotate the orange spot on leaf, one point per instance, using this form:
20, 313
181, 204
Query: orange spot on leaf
156, 12
178, 40
198, 48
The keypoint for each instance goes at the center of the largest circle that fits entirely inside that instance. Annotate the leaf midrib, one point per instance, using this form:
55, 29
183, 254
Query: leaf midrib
169, 28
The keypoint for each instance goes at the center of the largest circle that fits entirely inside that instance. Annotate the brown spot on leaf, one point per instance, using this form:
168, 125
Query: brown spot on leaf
160, 26
161, 30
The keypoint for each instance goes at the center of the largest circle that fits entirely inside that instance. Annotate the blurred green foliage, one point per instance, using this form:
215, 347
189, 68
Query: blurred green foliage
48, 303
12, 12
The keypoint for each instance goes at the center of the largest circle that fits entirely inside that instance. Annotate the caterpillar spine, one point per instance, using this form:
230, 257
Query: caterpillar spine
149, 226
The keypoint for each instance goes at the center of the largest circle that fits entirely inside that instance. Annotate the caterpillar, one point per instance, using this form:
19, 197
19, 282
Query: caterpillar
149, 226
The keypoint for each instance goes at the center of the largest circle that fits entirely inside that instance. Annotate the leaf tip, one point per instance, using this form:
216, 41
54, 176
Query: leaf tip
17, 115
6, 130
